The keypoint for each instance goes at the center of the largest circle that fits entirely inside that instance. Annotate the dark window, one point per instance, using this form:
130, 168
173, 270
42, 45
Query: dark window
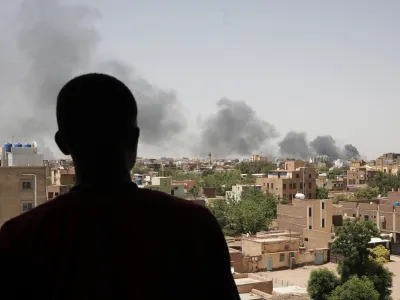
306, 239
26, 184
310, 227
282, 257
309, 196
50, 195
323, 223
272, 185
309, 211
172, 192
294, 185
309, 185
309, 175
27, 206
290, 186
284, 195
297, 175
354, 215
56, 194
323, 205
366, 217
290, 196
284, 186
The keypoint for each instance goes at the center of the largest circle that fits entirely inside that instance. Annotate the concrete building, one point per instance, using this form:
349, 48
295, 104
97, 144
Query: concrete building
338, 184
236, 192
19, 155
164, 184
63, 176
313, 218
257, 157
359, 176
53, 191
21, 189
246, 283
294, 178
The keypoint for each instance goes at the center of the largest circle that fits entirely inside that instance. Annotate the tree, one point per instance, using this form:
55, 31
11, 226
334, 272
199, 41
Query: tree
366, 193
253, 212
340, 197
355, 289
206, 172
335, 172
321, 284
322, 193
255, 167
351, 243
380, 254
194, 191
385, 182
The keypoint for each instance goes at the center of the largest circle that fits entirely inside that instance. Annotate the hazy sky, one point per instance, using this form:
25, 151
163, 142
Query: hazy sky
323, 67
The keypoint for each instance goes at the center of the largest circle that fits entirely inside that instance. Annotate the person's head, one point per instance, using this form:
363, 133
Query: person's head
97, 118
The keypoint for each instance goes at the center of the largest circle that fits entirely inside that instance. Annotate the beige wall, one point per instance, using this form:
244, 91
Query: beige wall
13, 197
261, 284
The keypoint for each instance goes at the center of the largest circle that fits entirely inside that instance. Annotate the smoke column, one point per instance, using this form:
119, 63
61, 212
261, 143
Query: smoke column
350, 152
59, 42
295, 145
325, 145
234, 129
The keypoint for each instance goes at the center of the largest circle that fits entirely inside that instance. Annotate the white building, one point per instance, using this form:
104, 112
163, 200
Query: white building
19, 155
236, 192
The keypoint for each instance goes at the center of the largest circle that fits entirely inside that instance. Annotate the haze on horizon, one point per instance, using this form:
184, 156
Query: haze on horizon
324, 68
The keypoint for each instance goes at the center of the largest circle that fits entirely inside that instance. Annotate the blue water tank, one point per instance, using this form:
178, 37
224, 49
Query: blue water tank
18, 145
396, 203
139, 181
8, 147
27, 146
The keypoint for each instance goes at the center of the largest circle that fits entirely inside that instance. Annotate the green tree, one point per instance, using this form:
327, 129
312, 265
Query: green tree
355, 289
206, 172
340, 197
366, 193
351, 243
385, 182
255, 167
323, 169
322, 193
253, 212
222, 181
380, 254
139, 170
321, 284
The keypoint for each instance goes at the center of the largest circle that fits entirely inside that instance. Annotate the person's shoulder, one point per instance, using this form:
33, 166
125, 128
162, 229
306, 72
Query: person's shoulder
160, 200
26, 222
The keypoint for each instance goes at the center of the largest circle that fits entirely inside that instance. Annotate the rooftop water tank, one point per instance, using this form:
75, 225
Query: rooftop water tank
396, 203
8, 147
18, 145
27, 146
300, 196
139, 181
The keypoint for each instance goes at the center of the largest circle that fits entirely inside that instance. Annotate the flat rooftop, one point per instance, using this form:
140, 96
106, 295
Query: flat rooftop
246, 280
249, 296
290, 290
273, 240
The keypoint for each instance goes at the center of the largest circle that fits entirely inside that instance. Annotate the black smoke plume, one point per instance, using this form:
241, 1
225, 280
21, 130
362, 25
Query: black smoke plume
59, 42
295, 145
234, 129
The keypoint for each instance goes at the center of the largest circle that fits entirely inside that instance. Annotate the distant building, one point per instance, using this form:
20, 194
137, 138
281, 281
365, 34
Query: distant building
236, 192
63, 176
21, 189
294, 178
19, 155
257, 157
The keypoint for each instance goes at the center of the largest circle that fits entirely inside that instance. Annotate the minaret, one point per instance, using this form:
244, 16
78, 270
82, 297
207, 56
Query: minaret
209, 156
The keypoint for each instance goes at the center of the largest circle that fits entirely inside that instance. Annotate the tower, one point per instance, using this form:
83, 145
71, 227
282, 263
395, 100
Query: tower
209, 157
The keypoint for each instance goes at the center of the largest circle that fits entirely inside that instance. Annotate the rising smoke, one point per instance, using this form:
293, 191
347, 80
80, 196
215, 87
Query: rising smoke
234, 129
59, 42
296, 145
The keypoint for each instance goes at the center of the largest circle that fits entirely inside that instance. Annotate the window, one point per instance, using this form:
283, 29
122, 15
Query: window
267, 185
290, 197
284, 195
27, 206
284, 186
50, 195
323, 223
309, 175
309, 211
282, 257
309, 196
297, 176
56, 194
306, 239
290, 186
354, 215
323, 205
272, 185
310, 227
172, 192
309, 185
366, 217
294, 185
26, 185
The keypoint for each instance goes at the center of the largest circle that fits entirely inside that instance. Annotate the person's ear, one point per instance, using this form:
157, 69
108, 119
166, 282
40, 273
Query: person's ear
61, 143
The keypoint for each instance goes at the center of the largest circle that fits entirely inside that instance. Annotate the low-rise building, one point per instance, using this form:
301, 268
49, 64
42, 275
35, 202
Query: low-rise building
21, 189
237, 190
53, 191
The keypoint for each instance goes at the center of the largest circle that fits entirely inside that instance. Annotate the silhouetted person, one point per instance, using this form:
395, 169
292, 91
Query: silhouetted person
107, 238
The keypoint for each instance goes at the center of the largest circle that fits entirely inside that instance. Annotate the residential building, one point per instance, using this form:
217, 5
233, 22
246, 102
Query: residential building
359, 176
236, 192
21, 189
63, 176
247, 283
53, 191
338, 184
164, 184
294, 178
257, 157
313, 218
19, 155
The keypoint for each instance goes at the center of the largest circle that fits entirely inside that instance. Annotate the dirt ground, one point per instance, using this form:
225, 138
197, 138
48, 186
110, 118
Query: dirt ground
299, 277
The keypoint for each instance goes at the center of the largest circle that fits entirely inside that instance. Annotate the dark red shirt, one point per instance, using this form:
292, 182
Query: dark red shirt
127, 244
